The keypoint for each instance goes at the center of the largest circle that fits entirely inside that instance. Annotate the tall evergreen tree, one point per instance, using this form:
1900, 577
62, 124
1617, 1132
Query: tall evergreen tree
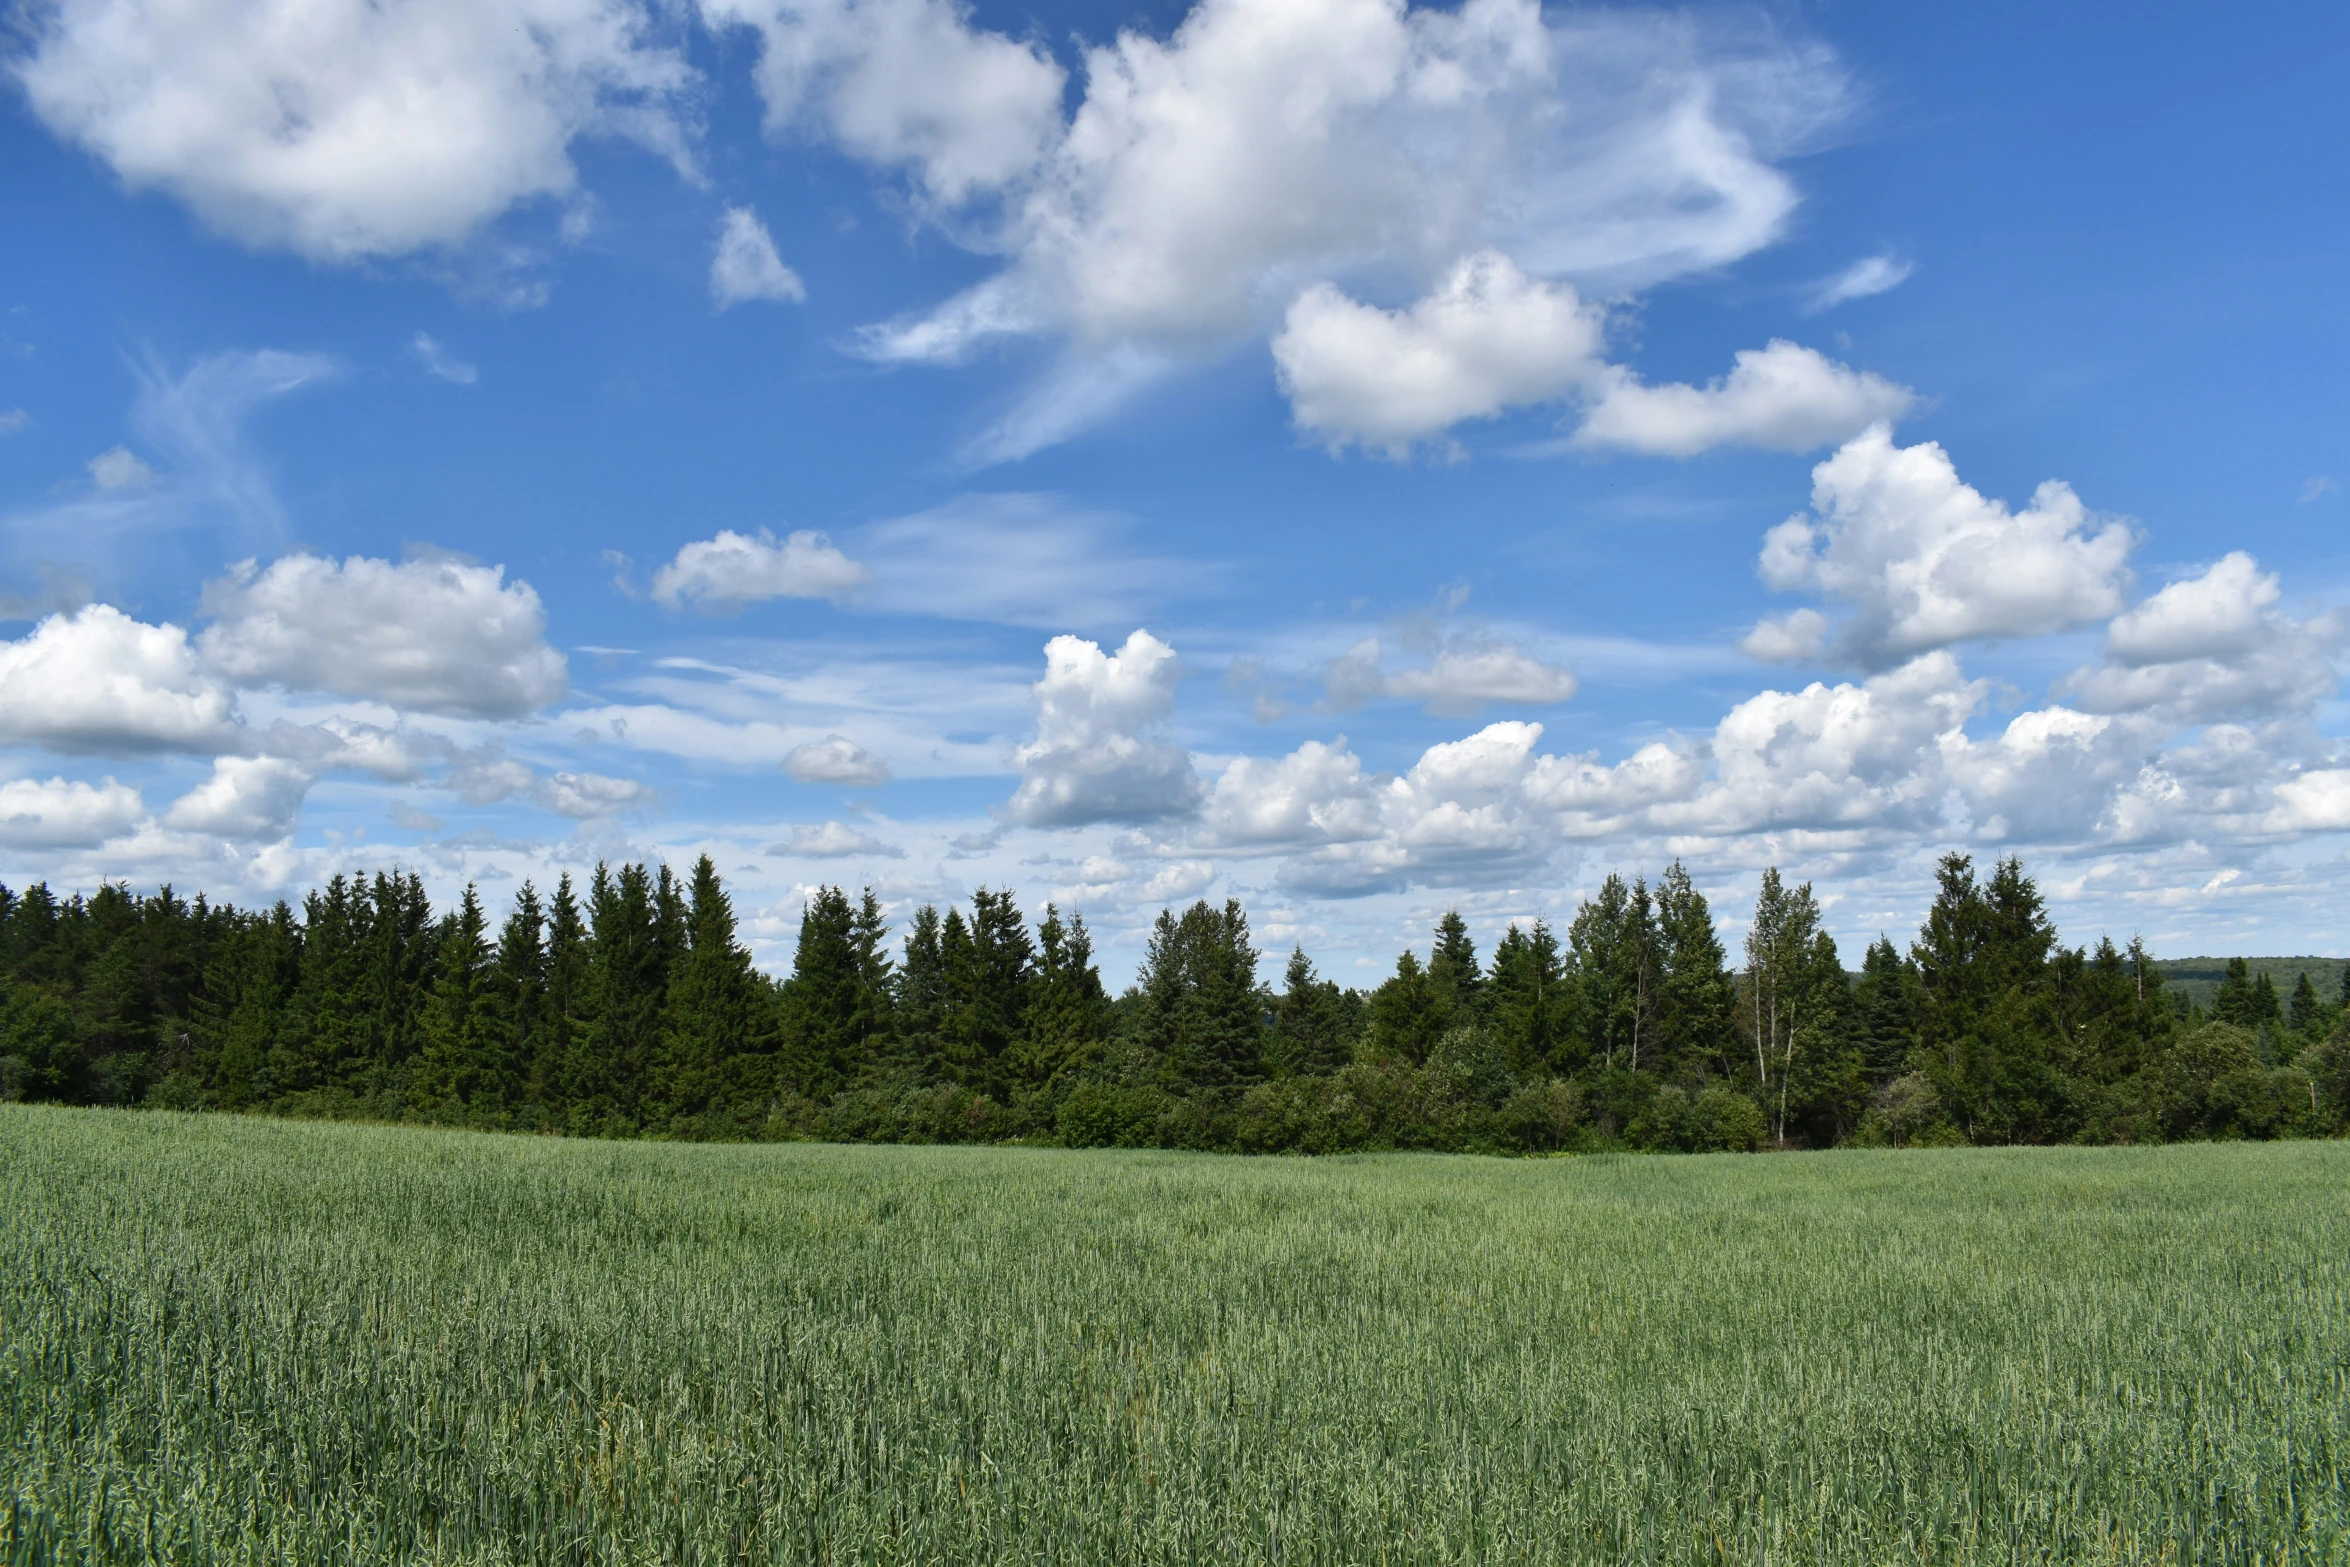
921, 998
1453, 972
466, 1056
1884, 1012
1202, 1010
711, 1043
1530, 1000
623, 991
1696, 996
1309, 1022
823, 1007
1614, 938
2307, 1016
1406, 1015
1068, 1016
990, 966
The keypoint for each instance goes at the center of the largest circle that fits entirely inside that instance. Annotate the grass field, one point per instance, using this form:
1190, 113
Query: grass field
241, 1340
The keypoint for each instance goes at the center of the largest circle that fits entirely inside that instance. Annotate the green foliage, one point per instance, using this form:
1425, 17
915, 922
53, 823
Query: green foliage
640, 1014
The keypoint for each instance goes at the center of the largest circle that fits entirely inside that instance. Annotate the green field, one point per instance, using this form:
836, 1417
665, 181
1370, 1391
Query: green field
224, 1339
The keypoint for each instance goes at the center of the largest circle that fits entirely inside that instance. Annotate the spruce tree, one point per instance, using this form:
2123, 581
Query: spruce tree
2236, 1000
1884, 1012
1406, 1014
557, 1035
823, 1025
1453, 972
1309, 1022
1068, 1011
520, 972
465, 1048
1696, 1036
623, 990
709, 1060
990, 965
2307, 1015
1531, 1001
921, 999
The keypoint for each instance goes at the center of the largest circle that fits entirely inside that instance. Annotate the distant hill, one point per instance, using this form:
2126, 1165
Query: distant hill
2198, 978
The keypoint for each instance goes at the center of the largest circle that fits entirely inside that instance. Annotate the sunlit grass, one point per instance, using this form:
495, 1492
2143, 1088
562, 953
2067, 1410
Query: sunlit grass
245, 1340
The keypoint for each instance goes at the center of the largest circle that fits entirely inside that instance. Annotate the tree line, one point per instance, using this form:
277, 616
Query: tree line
632, 1009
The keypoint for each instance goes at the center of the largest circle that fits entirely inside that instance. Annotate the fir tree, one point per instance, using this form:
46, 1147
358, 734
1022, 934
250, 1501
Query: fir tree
2307, 1016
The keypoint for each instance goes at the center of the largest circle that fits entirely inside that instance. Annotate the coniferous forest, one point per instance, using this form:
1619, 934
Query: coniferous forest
630, 1008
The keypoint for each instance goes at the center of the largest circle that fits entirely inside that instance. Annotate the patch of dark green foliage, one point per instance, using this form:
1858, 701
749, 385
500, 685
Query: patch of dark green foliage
637, 1012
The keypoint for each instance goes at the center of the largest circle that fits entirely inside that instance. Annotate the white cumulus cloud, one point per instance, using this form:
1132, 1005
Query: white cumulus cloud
835, 760
98, 681
1924, 560
59, 814
1095, 756
436, 636
745, 266
1783, 398
2215, 646
251, 798
1487, 339
905, 84
720, 576
344, 129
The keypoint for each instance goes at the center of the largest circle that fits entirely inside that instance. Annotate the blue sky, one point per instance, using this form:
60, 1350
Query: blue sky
1362, 460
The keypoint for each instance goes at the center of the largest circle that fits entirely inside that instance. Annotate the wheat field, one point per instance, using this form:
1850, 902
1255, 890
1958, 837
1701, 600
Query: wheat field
240, 1340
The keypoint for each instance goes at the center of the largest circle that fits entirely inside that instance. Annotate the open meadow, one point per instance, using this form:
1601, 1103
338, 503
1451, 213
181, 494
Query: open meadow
237, 1340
